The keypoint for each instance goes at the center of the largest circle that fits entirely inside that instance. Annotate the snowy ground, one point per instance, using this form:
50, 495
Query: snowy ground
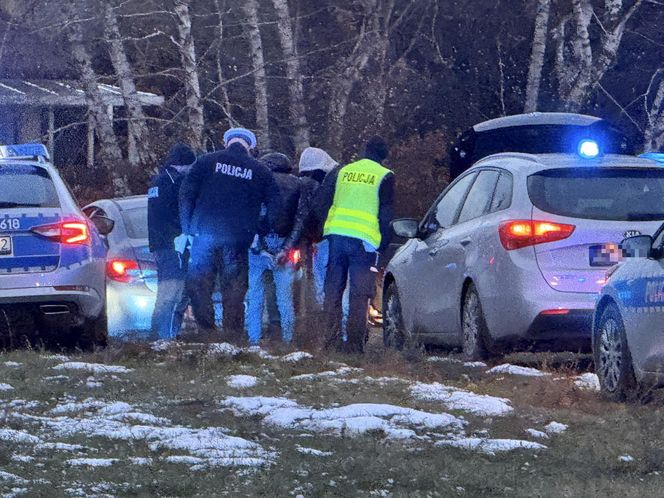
181, 420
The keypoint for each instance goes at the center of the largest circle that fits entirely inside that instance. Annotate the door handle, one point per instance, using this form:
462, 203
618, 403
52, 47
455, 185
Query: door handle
434, 250
465, 242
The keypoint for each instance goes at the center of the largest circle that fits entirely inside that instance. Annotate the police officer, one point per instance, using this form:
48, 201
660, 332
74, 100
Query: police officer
358, 202
163, 229
220, 203
270, 253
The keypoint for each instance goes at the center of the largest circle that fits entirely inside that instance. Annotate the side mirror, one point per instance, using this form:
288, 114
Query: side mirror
406, 227
637, 247
104, 225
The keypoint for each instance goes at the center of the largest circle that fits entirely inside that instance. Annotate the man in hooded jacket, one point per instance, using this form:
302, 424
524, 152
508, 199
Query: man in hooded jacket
163, 229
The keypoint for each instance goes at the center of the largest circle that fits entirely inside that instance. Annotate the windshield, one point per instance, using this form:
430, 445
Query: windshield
136, 222
620, 194
24, 185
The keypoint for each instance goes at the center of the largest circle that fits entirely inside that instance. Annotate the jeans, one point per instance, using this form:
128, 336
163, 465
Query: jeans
321, 255
209, 260
284, 278
349, 267
171, 301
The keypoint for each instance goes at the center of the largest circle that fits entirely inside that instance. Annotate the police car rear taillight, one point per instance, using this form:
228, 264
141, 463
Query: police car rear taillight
65, 232
122, 270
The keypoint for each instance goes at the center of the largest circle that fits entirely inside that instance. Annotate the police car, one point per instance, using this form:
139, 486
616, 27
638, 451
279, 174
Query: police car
628, 326
52, 282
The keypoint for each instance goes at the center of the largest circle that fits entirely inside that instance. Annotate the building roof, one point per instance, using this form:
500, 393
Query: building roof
537, 118
63, 93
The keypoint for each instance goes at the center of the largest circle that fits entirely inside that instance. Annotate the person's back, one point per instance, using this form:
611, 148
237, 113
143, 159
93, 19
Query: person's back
289, 190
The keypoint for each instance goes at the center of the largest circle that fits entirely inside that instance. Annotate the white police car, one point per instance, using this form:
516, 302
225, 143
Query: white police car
52, 281
628, 326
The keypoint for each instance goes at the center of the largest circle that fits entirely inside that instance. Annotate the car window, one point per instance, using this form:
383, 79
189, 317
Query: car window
479, 198
448, 205
136, 222
24, 185
659, 241
502, 197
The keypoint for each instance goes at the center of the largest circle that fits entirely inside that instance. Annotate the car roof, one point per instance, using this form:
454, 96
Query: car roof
537, 118
532, 163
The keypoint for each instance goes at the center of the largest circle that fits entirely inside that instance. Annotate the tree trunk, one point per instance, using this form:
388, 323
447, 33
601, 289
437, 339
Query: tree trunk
537, 55
192, 85
225, 100
654, 133
250, 8
111, 154
297, 111
138, 150
582, 14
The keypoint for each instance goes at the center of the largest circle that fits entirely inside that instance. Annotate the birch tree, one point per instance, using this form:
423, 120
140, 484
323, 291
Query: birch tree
297, 110
654, 110
537, 55
579, 65
250, 9
192, 87
138, 148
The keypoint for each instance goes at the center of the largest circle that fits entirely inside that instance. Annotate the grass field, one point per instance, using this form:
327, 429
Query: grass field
216, 420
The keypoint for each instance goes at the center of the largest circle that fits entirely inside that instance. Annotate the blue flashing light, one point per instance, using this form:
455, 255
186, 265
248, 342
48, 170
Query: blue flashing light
588, 148
24, 150
655, 156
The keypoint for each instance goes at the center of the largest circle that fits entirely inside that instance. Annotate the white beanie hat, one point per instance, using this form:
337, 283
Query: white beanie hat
313, 158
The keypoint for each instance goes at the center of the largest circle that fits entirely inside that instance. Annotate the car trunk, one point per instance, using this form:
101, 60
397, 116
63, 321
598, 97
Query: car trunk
604, 206
146, 262
24, 250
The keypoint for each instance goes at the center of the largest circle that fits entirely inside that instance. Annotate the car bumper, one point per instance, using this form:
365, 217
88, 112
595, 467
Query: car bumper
129, 308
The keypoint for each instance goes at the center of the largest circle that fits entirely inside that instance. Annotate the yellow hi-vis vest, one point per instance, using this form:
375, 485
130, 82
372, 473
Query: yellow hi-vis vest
354, 211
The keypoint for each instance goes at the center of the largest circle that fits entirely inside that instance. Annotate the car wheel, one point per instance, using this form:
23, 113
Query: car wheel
613, 361
394, 334
93, 333
475, 332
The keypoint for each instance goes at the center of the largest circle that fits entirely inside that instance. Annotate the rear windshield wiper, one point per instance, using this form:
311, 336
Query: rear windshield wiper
18, 204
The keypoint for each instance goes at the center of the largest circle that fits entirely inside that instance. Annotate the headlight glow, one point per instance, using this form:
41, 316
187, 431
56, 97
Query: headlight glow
588, 148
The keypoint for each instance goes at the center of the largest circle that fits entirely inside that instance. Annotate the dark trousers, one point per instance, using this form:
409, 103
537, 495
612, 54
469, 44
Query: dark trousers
348, 262
210, 260
172, 300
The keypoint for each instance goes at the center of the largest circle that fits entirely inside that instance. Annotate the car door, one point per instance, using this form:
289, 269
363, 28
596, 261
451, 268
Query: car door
424, 291
461, 249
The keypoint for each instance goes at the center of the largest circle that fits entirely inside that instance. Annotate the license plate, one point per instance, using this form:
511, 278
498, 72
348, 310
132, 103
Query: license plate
6, 248
605, 254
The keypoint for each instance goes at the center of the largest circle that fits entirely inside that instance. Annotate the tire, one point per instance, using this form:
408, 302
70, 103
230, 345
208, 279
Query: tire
475, 334
394, 333
92, 334
613, 361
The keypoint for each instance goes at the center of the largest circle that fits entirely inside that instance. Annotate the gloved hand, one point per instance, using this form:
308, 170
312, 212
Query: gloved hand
181, 242
282, 257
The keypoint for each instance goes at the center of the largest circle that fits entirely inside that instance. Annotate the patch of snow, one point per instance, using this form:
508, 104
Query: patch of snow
161, 345
92, 462
537, 434
15, 492
56, 378
241, 381
56, 357
555, 428
140, 461
78, 406
352, 420
8, 476
95, 368
60, 447
442, 359
13, 364
507, 368
457, 399
474, 364
340, 372
92, 383
20, 437
588, 381
224, 349
297, 356
626, 458
491, 446
5, 387
312, 451
22, 458
264, 355
184, 459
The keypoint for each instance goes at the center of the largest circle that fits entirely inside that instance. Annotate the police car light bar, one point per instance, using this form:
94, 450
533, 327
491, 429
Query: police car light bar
24, 151
588, 148
655, 156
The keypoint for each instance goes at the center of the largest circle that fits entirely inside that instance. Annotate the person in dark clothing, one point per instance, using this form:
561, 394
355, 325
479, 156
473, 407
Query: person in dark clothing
357, 203
269, 254
220, 204
163, 230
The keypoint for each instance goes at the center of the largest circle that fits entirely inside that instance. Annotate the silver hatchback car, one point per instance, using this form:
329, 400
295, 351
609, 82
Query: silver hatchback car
516, 250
